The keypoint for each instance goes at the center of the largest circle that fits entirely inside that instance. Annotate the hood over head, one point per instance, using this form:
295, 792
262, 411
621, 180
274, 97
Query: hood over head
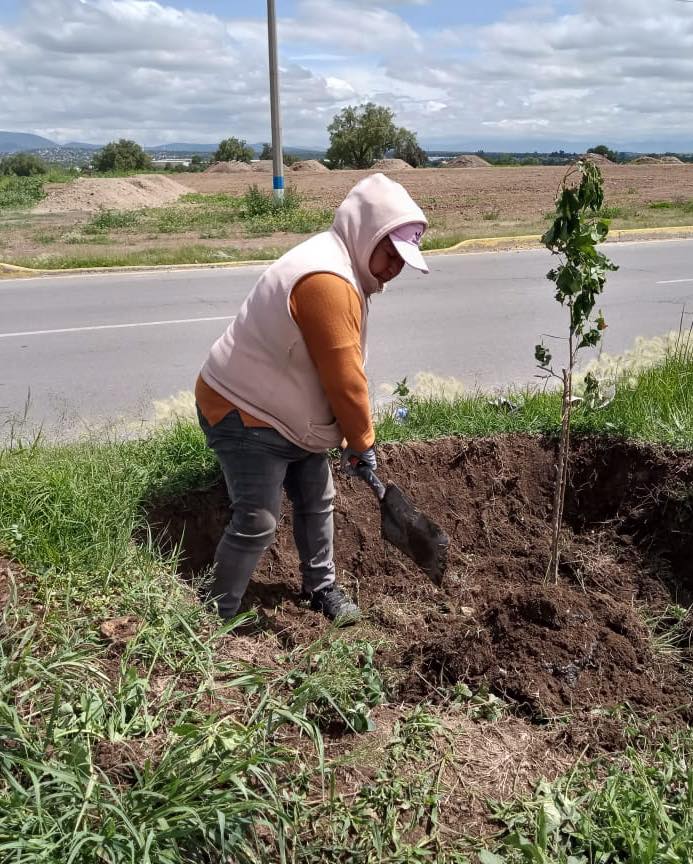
374, 207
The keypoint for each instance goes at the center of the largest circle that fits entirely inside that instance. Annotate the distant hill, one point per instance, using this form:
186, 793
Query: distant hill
79, 145
14, 142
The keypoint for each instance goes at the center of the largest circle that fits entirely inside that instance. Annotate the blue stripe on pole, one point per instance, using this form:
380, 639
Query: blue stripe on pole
278, 182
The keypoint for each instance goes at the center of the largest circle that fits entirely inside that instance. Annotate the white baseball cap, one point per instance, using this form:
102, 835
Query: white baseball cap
406, 240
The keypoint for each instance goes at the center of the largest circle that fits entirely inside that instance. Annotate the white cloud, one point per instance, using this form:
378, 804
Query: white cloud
620, 72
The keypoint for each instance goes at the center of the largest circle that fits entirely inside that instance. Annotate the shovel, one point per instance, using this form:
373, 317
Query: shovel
406, 527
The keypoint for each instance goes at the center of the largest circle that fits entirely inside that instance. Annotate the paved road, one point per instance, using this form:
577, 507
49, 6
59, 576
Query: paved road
89, 350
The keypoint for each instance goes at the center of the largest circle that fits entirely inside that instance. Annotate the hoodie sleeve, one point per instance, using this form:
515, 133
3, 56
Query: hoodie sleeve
328, 312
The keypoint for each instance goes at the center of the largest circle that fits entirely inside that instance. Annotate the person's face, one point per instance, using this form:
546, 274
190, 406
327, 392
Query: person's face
386, 262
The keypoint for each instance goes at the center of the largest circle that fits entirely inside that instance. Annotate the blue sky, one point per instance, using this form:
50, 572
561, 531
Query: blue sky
500, 74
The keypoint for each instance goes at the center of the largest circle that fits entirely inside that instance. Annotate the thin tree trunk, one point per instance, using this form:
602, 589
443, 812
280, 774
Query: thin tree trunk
562, 467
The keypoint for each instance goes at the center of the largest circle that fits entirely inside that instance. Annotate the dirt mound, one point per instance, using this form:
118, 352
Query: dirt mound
309, 165
645, 160
470, 160
89, 194
597, 158
265, 165
549, 649
392, 165
232, 167
657, 160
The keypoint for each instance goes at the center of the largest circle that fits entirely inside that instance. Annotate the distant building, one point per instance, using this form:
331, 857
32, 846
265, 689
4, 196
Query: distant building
162, 163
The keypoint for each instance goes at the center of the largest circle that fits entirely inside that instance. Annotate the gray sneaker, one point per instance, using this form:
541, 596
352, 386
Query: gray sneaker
335, 605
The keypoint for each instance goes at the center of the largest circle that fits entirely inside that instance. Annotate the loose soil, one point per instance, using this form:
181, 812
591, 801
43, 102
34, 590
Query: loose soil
550, 650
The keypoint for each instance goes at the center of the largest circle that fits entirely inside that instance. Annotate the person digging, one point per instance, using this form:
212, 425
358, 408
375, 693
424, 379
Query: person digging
286, 383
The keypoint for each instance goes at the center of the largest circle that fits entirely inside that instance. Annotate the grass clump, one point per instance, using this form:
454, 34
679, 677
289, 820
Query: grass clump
189, 254
20, 192
337, 683
638, 811
262, 213
105, 220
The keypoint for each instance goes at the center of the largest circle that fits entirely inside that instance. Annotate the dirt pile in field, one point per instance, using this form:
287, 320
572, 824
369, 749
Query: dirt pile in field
264, 165
90, 194
657, 160
645, 160
231, 167
310, 165
597, 158
549, 649
392, 165
470, 160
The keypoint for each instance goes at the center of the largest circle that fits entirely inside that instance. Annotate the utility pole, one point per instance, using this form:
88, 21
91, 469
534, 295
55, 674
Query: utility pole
277, 156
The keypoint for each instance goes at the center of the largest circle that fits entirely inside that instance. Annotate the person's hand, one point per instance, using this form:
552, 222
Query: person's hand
349, 455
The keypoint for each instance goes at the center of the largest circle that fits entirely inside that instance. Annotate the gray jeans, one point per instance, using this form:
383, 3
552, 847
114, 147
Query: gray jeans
256, 464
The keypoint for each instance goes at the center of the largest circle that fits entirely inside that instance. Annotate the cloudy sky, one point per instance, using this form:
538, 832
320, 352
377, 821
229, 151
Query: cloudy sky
496, 74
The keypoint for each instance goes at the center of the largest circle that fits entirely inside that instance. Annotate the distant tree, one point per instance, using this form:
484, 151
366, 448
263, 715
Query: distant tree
603, 150
359, 135
196, 159
407, 148
123, 155
22, 165
234, 150
288, 158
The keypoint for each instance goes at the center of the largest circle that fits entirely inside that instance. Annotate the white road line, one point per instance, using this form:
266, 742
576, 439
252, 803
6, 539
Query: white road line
673, 281
116, 326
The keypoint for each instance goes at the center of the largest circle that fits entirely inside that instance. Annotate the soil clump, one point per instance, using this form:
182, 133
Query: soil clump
550, 650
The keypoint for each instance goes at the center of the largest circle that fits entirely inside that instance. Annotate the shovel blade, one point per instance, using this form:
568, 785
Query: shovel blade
412, 532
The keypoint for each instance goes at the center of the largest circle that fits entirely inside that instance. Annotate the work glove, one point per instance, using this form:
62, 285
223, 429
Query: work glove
367, 457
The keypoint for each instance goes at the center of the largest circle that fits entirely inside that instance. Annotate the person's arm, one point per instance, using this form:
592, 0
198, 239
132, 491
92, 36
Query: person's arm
328, 312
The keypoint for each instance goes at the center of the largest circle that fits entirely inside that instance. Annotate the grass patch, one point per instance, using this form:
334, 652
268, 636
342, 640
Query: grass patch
20, 192
257, 213
189, 254
639, 810
656, 405
108, 219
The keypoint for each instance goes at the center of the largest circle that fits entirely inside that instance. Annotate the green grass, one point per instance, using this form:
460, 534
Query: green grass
164, 750
656, 406
637, 811
188, 254
20, 192
258, 213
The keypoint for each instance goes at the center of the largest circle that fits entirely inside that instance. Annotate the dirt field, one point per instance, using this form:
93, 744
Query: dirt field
549, 650
461, 203
523, 193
